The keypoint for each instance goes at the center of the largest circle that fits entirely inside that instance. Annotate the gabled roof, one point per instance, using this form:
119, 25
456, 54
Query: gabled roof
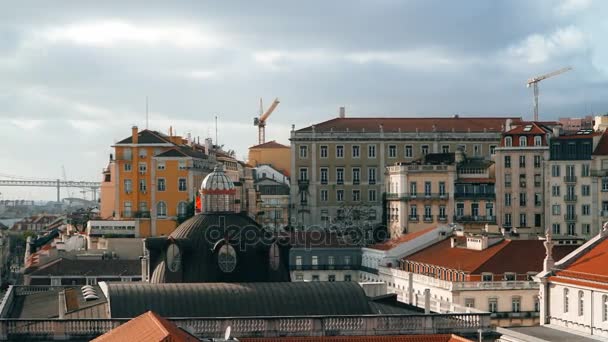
602, 146
504, 256
147, 327
412, 124
528, 128
589, 266
390, 244
147, 137
270, 144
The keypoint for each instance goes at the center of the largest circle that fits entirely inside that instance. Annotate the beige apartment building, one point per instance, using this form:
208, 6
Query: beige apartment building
341, 162
520, 184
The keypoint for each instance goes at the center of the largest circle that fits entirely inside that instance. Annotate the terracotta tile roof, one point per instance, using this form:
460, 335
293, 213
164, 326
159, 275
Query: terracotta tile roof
390, 244
590, 265
505, 256
270, 144
411, 124
147, 327
602, 146
584, 283
535, 129
394, 338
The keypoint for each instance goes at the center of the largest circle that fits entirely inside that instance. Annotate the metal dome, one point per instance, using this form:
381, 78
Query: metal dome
217, 180
218, 192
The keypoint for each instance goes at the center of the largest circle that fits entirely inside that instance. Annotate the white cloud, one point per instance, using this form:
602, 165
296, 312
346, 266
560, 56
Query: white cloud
199, 74
539, 48
279, 60
420, 58
27, 124
109, 33
569, 7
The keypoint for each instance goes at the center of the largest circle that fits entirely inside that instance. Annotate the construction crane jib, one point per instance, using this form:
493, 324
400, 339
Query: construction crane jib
261, 121
533, 82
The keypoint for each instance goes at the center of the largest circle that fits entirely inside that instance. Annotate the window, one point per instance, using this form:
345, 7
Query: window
160, 166
492, 304
323, 173
492, 149
392, 151
371, 151
522, 220
508, 222
442, 211
347, 260
522, 180
555, 190
427, 188
537, 220
586, 228
585, 170
339, 195
182, 165
182, 209
371, 175
303, 151
315, 277
508, 199
460, 209
516, 304
142, 185
441, 188
331, 260
469, 302
143, 167
556, 228
323, 151
508, 180
555, 170
161, 185
181, 184
356, 175
571, 228
523, 141
413, 189
586, 209
409, 151
508, 141
586, 190
538, 140
371, 195
604, 183
127, 209
581, 303
507, 161
537, 199
127, 167
161, 209
339, 151
537, 180
126, 153
537, 162
556, 209
340, 175
128, 186
487, 277
445, 149
604, 308
347, 277
143, 153
427, 212
424, 149
299, 277
414, 211
522, 161
331, 277
476, 150
324, 195
566, 300
299, 262
356, 195
356, 151
303, 174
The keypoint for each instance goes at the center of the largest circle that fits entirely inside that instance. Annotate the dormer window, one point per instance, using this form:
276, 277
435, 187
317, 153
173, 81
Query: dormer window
486, 277
538, 140
523, 141
509, 276
508, 141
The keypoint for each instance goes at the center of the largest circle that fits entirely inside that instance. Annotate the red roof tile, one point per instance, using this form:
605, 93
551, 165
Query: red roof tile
395, 338
390, 244
590, 265
505, 256
270, 144
585, 283
439, 124
147, 327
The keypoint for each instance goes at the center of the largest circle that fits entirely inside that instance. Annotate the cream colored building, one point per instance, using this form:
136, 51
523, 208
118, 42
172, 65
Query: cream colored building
343, 159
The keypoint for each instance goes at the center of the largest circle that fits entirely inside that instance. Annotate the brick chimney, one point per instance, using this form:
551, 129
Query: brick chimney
342, 112
134, 136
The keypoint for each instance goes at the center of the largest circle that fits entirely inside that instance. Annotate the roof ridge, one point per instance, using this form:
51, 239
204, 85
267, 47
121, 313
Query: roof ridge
158, 322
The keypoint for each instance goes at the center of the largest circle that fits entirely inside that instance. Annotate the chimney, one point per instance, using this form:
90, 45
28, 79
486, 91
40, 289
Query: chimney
134, 136
452, 242
556, 131
342, 112
508, 124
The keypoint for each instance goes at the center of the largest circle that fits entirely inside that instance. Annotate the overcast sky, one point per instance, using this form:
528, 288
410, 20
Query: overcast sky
74, 75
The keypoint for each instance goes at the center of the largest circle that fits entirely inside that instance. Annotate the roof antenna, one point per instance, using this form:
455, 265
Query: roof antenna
216, 142
147, 116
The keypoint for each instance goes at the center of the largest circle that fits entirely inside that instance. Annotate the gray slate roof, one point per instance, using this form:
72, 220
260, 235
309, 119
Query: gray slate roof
68, 267
129, 300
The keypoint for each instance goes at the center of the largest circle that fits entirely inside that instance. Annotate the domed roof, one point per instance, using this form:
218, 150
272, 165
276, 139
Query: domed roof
217, 181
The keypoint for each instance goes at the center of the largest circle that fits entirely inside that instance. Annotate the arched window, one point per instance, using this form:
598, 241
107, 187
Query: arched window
161, 209
508, 141
566, 301
538, 140
182, 209
604, 308
523, 140
581, 303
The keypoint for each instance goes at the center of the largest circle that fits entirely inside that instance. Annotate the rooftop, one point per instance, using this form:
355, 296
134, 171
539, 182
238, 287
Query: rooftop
69, 267
602, 146
270, 144
148, 327
412, 124
146, 137
588, 266
392, 243
393, 338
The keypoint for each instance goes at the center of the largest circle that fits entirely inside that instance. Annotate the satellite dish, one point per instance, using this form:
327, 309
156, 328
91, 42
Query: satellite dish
227, 334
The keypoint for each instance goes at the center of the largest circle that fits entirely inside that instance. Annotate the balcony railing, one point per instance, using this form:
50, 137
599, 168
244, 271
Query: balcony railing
417, 196
142, 214
324, 267
442, 218
427, 218
570, 198
475, 195
470, 218
570, 179
413, 218
570, 217
495, 285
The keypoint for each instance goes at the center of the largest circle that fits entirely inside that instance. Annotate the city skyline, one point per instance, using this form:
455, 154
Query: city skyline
75, 77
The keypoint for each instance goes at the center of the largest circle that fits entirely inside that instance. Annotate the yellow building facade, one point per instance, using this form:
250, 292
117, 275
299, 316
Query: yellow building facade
271, 153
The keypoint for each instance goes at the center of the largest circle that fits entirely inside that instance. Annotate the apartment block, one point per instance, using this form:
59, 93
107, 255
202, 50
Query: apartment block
341, 162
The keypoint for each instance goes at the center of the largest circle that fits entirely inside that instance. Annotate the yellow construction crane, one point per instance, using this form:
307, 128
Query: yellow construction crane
261, 121
534, 83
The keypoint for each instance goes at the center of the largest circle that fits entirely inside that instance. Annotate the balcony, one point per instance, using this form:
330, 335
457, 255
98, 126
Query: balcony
475, 195
417, 196
356, 182
442, 218
570, 198
570, 217
372, 181
570, 179
470, 218
142, 214
324, 181
126, 214
428, 218
520, 314
413, 218
340, 181
494, 285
